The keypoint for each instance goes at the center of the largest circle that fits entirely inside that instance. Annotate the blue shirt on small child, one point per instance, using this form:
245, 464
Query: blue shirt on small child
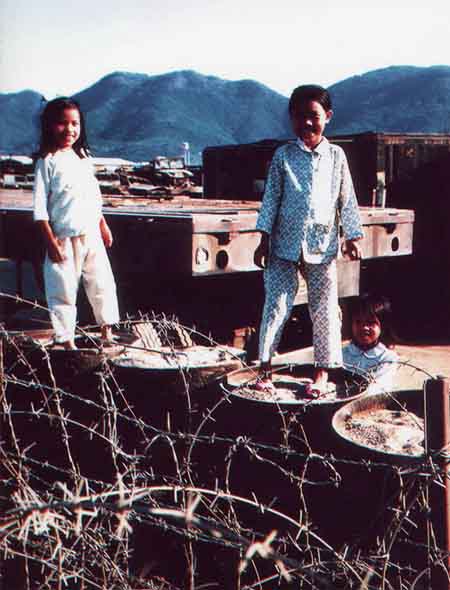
378, 364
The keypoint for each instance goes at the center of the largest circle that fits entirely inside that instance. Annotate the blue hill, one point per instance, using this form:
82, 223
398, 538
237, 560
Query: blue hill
139, 116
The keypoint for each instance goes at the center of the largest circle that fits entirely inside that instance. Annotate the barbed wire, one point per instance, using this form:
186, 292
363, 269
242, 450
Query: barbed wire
103, 482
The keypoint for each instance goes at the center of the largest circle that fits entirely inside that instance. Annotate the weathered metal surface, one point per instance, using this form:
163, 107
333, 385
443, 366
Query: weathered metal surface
410, 401
376, 161
170, 369
37, 348
387, 232
195, 257
379, 159
348, 386
437, 399
2, 375
197, 237
266, 419
237, 170
180, 205
229, 246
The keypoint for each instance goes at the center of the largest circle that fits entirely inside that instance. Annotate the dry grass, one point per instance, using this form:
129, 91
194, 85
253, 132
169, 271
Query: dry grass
107, 484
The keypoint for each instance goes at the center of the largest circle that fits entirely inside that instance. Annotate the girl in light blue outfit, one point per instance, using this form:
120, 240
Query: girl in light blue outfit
308, 196
368, 353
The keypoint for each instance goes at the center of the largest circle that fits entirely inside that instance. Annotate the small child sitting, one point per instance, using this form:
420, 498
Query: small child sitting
370, 351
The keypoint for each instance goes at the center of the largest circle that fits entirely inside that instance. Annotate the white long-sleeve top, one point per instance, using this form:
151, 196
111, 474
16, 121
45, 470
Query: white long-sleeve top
66, 193
378, 364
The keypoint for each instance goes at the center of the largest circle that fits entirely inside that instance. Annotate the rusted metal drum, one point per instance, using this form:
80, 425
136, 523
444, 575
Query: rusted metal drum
36, 351
376, 436
354, 423
165, 386
264, 417
256, 441
56, 402
176, 368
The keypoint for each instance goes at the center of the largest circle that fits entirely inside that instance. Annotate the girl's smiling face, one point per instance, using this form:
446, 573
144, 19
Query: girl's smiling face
366, 331
308, 121
66, 129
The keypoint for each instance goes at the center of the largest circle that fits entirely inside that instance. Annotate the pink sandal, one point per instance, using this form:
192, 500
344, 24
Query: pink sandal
264, 385
313, 391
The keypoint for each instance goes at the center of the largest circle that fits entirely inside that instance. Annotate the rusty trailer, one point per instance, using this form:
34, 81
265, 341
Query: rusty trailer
194, 237
195, 256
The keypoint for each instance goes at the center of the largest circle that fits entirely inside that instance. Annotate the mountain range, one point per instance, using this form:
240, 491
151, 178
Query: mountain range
138, 117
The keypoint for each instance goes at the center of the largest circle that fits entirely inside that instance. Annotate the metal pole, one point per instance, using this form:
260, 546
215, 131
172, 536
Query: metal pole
437, 442
19, 278
2, 375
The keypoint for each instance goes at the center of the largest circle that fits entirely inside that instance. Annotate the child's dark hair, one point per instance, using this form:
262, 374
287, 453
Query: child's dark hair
309, 92
51, 113
378, 307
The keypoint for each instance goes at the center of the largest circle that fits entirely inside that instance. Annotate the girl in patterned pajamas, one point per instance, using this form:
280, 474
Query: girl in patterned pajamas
309, 192
68, 211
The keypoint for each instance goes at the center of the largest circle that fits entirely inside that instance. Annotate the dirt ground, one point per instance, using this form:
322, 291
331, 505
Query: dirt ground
420, 359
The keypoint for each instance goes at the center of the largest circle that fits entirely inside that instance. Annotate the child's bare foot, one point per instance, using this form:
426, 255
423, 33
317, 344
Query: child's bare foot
107, 335
319, 387
69, 345
320, 377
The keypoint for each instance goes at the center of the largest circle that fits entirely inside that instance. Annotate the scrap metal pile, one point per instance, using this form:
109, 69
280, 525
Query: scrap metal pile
162, 178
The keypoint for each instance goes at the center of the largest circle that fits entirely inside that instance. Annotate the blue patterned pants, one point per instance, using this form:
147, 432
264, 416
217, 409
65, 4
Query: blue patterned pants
281, 282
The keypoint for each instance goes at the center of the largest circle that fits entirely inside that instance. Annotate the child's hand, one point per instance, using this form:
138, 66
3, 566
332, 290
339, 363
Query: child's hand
55, 246
351, 249
56, 251
107, 236
262, 252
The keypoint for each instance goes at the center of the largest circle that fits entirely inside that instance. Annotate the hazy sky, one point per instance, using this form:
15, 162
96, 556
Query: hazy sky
59, 47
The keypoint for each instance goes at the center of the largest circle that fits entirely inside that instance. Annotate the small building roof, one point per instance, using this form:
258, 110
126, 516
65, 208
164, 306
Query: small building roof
112, 163
15, 158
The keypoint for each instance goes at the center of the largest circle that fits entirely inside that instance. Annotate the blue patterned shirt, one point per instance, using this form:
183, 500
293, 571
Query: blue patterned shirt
308, 192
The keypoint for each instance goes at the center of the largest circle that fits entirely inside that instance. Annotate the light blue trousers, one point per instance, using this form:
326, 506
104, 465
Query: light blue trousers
281, 282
